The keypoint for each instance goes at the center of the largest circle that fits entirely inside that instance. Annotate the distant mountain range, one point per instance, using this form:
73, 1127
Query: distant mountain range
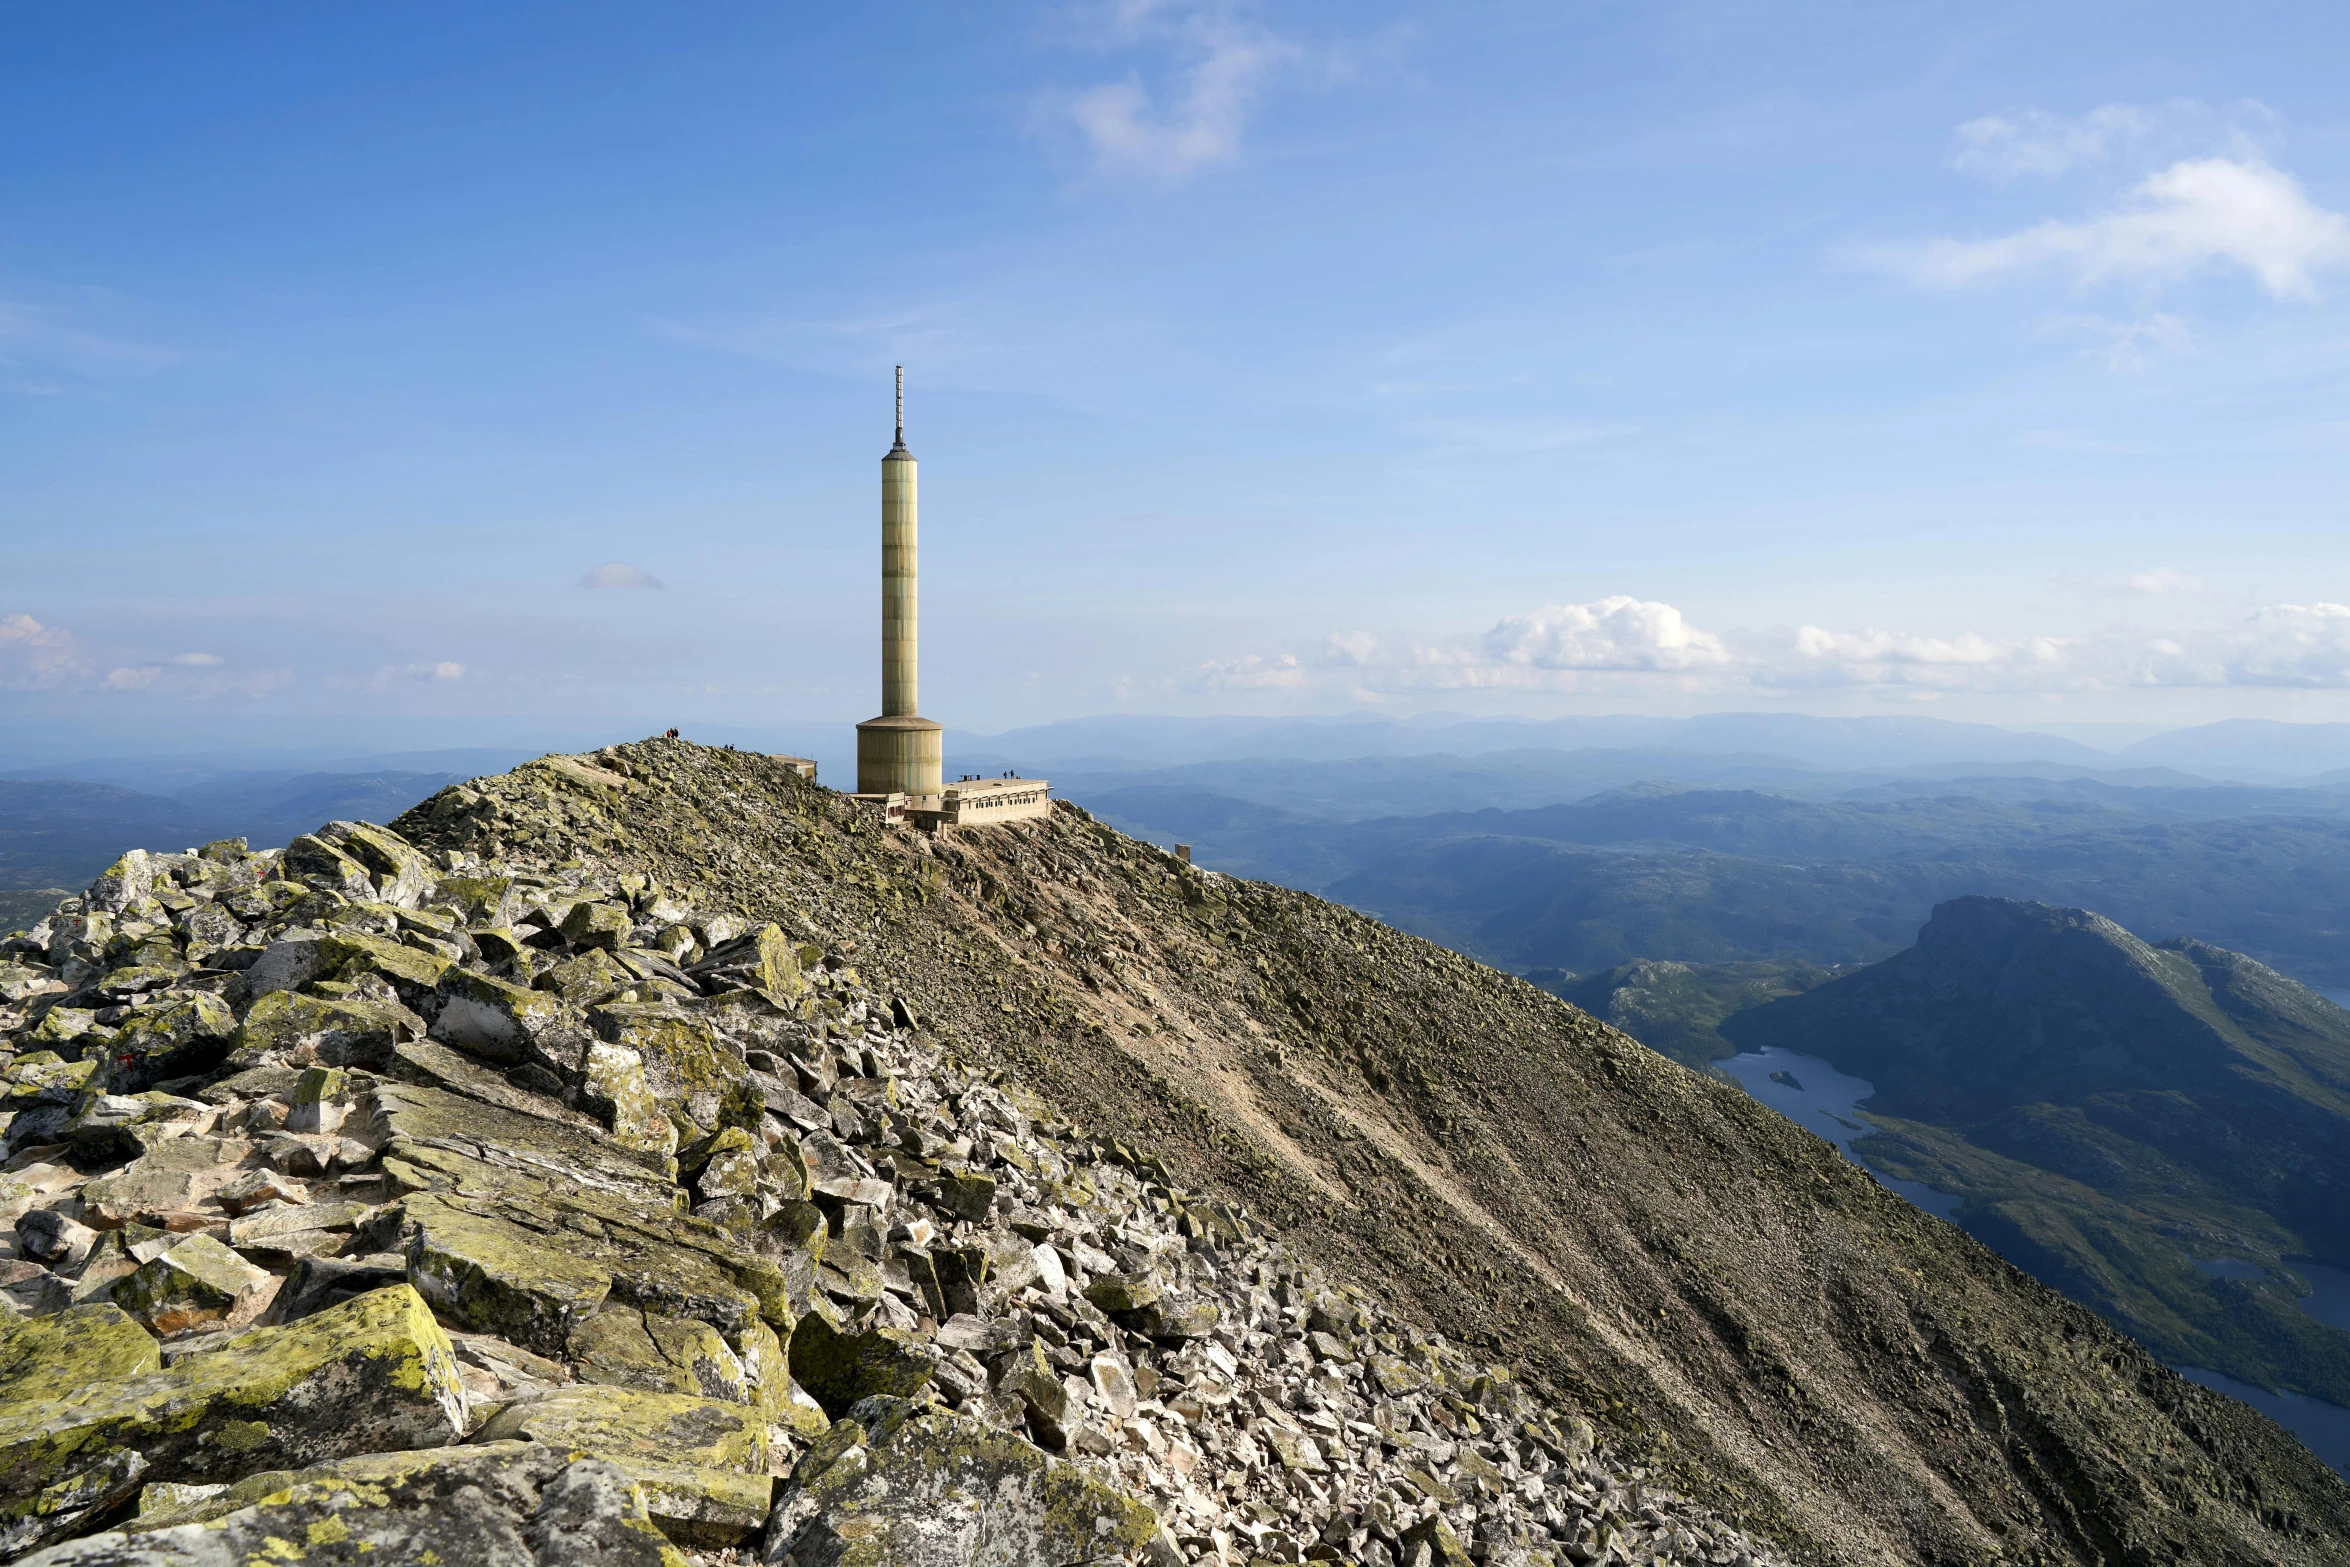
2237, 750
56, 834
2162, 1132
1657, 871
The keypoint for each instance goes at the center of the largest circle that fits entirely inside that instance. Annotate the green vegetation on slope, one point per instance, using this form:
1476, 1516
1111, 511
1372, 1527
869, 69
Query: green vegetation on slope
2113, 1112
1676, 1008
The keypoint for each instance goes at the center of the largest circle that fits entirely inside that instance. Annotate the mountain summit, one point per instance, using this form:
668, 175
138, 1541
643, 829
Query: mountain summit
689, 1150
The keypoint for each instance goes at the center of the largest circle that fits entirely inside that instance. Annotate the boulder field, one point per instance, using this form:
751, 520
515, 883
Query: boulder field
377, 1201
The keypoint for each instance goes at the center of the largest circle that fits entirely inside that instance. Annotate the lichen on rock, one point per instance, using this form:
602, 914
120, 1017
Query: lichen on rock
896, 1485
376, 1374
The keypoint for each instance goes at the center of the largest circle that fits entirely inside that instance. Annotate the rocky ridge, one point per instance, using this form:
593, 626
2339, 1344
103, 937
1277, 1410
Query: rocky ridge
425, 1203
1726, 1299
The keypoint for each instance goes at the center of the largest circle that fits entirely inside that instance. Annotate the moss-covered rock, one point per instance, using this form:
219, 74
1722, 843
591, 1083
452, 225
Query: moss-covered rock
499, 945
493, 1273
893, 1484
374, 1375
482, 900
52, 1361
591, 977
614, 1084
337, 1032
767, 1366
703, 1463
1122, 1292
183, 1035
597, 924
44, 1077
531, 1259
435, 1065
171, 1178
509, 1022
414, 973
313, 861
108, 1126
400, 874
685, 1061
199, 1283
622, 1347
508, 1504
126, 882
412, 1119
1432, 1539
966, 1194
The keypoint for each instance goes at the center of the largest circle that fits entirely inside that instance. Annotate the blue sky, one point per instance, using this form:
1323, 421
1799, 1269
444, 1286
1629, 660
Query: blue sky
1984, 361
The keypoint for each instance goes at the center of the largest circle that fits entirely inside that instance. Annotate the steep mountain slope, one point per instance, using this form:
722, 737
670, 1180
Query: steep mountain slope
2116, 1111
1715, 1287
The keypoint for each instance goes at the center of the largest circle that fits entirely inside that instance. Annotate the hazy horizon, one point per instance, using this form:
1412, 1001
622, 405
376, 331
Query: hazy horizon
180, 750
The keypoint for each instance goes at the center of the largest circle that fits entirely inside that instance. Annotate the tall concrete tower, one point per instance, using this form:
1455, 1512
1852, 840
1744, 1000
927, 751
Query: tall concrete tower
899, 752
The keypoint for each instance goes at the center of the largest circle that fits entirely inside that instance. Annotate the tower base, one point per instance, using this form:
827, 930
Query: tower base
900, 755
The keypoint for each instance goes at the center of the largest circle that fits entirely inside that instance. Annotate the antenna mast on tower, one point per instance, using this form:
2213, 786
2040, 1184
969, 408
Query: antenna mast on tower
898, 752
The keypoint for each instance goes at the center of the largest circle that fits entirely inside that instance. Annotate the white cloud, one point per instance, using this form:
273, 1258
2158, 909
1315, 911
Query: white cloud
1556, 646
2005, 147
2198, 215
1227, 62
1882, 658
1628, 645
1621, 632
388, 675
33, 656
2300, 645
137, 679
196, 660
616, 574
2032, 141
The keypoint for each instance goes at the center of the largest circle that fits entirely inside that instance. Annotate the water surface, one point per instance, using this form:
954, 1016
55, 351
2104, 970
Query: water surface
2322, 1427
2329, 1300
1820, 1099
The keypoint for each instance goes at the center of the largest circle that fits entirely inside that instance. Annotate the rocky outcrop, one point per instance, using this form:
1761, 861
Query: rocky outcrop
377, 1202
512, 1504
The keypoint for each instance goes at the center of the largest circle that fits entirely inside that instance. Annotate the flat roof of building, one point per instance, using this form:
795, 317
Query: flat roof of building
973, 785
